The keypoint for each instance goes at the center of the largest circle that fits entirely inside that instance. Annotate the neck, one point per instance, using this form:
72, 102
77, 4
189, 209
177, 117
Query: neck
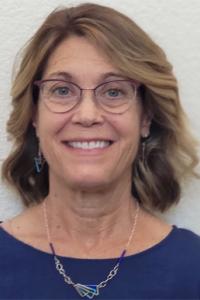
91, 218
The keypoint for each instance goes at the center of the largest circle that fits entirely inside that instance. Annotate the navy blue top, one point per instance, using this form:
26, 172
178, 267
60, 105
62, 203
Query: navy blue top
168, 270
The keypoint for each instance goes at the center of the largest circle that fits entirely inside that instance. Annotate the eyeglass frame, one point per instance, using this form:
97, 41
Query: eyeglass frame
136, 84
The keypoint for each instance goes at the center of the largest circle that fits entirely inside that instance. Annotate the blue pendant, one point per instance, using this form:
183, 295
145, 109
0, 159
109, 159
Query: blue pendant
89, 290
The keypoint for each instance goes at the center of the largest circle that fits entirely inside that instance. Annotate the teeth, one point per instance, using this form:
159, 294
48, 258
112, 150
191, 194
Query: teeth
89, 145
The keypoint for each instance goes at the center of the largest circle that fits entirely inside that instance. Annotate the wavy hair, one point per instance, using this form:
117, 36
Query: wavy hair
170, 152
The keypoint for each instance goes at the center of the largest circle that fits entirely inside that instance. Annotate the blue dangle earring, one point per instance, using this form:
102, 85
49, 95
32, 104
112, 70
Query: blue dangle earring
39, 162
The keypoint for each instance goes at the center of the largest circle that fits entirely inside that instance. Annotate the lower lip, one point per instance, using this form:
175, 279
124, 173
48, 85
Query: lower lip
81, 151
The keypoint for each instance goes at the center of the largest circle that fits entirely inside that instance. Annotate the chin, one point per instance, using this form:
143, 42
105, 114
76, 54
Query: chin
88, 182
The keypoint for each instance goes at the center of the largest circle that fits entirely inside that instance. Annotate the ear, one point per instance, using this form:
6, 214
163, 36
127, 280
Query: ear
145, 124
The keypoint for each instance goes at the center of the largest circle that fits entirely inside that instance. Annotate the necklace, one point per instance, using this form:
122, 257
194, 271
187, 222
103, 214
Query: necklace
87, 290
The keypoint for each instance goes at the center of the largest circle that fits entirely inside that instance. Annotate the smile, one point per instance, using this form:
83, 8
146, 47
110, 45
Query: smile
89, 145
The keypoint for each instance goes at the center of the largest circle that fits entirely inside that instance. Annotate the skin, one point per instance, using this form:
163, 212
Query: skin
89, 205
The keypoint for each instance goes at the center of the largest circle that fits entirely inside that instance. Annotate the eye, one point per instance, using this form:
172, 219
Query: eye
114, 93
60, 91
113, 90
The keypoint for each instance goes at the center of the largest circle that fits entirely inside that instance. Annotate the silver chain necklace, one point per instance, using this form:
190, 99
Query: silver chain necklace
87, 290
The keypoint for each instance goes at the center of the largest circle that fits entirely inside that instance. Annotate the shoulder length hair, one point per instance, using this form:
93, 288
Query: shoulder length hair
170, 154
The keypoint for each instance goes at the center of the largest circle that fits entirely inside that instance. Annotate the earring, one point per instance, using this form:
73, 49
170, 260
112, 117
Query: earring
144, 143
143, 151
39, 162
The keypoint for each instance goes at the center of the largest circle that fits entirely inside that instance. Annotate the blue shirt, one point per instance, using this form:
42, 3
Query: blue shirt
168, 270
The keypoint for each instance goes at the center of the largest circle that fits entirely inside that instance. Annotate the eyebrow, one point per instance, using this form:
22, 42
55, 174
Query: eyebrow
68, 76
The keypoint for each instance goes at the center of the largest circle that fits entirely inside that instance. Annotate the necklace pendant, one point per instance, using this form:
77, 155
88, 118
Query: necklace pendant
89, 290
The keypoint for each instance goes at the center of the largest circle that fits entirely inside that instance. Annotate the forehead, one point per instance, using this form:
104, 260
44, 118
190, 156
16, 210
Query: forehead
79, 58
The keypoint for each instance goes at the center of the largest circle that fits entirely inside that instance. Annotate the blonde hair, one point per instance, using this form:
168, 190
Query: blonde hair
170, 154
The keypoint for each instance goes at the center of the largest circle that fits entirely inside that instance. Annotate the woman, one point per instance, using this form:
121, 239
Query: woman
100, 145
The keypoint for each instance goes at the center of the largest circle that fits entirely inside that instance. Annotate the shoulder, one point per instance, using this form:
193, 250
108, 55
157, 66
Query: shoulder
188, 238
183, 249
173, 243
24, 224
187, 234
23, 227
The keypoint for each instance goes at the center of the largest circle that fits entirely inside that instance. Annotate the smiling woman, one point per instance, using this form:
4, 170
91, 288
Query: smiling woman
100, 144
111, 119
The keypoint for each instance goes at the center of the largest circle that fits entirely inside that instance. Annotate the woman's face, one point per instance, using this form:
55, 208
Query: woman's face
87, 168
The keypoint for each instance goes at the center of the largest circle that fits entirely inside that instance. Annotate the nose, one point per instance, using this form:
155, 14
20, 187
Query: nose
87, 112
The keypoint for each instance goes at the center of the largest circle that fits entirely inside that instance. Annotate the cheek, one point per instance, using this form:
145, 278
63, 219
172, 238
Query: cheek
49, 124
129, 136
132, 142
48, 127
129, 126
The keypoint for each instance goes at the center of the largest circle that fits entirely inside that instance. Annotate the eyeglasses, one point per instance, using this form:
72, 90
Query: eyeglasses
61, 96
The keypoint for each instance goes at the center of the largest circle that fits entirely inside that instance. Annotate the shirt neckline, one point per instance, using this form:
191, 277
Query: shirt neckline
131, 256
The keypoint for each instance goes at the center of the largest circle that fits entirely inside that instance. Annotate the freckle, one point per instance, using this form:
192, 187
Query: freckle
58, 226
